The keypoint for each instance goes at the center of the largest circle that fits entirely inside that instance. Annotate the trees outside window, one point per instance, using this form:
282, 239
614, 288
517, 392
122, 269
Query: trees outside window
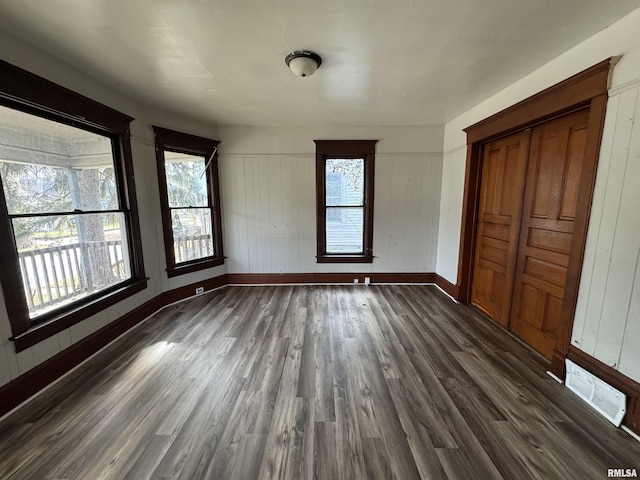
68, 220
190, 201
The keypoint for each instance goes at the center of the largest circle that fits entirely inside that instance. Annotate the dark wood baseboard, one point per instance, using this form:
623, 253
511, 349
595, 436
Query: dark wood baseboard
557, 363
294, 278
448, 287
28, 384
614, 378
187, 291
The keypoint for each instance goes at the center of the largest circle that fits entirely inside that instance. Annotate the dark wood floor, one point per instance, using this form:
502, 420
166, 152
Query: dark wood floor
321, 382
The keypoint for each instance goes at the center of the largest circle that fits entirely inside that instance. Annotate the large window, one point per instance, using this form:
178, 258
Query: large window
190, 200
68, 223
344, 186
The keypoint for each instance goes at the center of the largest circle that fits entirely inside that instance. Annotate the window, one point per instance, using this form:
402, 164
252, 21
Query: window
68, 220
344, 188
190, 201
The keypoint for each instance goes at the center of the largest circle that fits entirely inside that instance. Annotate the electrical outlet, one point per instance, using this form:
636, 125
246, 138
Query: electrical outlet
367, 280
199, 290
355, 280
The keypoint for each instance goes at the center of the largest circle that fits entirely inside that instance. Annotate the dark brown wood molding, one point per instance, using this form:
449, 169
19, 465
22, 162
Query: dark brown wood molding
579, 238
344, 259
585, 89
470, 206
23, 88
40, 332
184, 142
37, 96
614, 378
28, 384
562, 97
172, 140
187, 291
346, 278
12, 287
345, 149
448, 287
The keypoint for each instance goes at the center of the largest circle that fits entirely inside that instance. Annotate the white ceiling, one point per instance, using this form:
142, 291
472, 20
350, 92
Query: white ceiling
393, 62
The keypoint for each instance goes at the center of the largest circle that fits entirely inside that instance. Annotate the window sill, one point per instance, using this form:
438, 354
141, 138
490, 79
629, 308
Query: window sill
41, 331
345, 258
194, 266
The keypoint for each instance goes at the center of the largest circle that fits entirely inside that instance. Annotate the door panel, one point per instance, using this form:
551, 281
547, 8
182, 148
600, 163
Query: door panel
503, 176
551, 195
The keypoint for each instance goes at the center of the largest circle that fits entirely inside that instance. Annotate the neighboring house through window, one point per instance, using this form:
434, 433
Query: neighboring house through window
68, 220
190, 201
344, 187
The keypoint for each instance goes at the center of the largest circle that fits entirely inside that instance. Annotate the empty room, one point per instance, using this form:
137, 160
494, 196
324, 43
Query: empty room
280, 239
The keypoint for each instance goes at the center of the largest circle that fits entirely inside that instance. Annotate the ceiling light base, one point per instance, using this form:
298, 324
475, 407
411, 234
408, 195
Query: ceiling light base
303, 63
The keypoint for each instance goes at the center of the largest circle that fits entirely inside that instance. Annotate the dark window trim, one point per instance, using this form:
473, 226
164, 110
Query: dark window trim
174, 141
32, 94
325, 149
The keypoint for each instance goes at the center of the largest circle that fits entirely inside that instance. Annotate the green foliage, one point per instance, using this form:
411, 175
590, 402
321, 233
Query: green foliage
35, 189
186, 185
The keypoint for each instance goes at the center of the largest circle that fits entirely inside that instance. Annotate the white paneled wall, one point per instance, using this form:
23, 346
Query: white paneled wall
607, 321
270, 213
620, 38
12, 50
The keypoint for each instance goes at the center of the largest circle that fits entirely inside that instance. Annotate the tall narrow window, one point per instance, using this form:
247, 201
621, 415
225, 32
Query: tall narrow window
344, 188
68, 221
190, 201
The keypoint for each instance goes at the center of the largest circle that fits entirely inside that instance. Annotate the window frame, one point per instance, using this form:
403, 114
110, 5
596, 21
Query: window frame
179, 142
345, 149
34, 95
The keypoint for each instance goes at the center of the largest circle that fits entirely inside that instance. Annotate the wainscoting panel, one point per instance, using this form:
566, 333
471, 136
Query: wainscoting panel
270, 214
606, 322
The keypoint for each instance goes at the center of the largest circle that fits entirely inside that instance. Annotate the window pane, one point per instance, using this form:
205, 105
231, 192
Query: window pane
47, 167
344, 230
66, 257
344, 181
186, 185
192, 237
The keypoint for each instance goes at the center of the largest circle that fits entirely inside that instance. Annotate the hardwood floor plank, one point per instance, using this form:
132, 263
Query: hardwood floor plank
248, 458
376, 459
348, 437
325, 382
151, 454
194, 445
307, 376
457, 463
325, 465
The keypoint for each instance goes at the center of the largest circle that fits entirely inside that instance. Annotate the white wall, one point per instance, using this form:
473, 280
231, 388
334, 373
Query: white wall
617, 39
607, 323
268, 195
407, 184
17, 53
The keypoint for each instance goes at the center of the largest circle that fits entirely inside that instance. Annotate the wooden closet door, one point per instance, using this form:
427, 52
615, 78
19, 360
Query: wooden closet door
503, 174
549, 209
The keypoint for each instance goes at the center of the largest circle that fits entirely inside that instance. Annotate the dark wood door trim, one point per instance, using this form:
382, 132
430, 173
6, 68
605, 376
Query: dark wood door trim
581, 223
585, 89
560, 98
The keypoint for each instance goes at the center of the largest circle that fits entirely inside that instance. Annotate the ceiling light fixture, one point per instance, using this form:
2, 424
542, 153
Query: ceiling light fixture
303, 63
